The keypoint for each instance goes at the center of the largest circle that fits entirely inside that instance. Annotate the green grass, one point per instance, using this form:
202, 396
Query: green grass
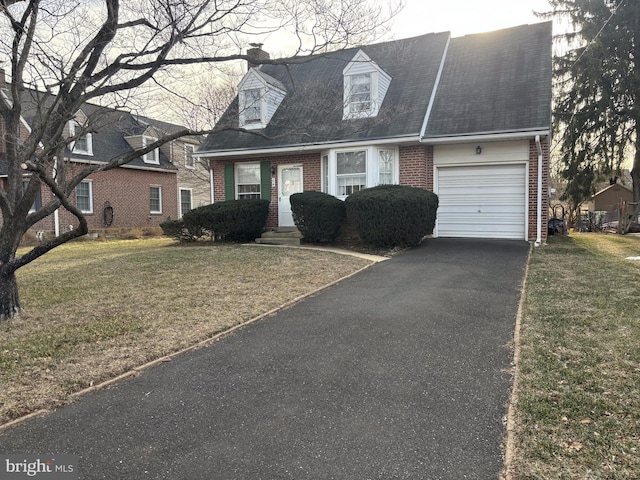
93, 310
578, 402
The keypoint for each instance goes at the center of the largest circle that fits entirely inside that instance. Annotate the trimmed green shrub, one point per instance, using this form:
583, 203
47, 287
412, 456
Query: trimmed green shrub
232, 220
177, 230
197, 222
392, 215
317, 215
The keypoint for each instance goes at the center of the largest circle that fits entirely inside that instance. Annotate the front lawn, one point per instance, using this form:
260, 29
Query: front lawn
578, 387
94, 310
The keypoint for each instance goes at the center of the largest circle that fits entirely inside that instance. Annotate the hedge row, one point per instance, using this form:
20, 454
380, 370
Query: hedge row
232, 220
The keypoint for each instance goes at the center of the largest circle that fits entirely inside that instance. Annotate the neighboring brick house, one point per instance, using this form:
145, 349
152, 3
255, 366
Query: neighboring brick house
141, 194
468, 118
193, 175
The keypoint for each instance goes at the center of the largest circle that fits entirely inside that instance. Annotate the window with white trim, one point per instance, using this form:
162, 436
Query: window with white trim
359, 94
189, 161
251, 108
154, 155
37, 203
84, 196
325, 172
365, 87
247, 177
155, 199
186, 200
346, 171
84, 143
386, 164
351, 172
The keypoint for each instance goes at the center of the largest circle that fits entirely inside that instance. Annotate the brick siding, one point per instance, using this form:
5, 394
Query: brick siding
128, 192
416, 170
533, 188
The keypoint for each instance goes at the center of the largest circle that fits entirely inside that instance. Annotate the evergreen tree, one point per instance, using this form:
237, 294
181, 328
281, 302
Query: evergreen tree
597, 111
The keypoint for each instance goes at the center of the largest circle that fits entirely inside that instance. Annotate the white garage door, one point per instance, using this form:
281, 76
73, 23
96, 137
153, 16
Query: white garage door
487, 201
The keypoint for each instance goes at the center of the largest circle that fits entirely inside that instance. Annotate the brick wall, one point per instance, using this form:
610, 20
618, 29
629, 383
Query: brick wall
533, 188
416, 170
310, 177
128, 192
416, 166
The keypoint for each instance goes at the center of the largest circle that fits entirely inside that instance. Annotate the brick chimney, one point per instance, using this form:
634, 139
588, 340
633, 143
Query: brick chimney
256, 54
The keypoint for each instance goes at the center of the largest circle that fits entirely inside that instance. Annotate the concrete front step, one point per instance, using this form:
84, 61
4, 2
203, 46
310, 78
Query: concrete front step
290, 236
279, 241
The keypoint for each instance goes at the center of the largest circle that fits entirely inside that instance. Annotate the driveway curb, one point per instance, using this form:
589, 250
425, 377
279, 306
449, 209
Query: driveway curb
509, 447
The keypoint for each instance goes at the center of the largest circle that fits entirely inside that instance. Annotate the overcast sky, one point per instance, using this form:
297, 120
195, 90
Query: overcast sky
462, 17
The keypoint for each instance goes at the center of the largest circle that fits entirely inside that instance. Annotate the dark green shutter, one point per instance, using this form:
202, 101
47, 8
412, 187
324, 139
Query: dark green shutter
229, 182
265, 180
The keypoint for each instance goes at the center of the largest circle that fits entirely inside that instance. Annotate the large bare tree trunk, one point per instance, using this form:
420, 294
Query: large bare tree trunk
9, 299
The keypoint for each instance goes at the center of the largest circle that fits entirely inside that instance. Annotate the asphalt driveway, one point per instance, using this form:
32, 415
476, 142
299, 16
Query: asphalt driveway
399, 372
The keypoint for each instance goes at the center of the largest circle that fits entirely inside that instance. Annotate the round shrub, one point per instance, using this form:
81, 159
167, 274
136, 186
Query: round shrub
317, 215
392, 215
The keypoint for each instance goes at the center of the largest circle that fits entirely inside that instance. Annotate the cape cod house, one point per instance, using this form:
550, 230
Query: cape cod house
159, 185
468, 118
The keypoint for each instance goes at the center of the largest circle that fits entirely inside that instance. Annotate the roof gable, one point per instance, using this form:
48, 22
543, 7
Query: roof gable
256, 75
109, 129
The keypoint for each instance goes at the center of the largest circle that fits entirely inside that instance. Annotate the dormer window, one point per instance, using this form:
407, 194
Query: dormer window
259, 97
252, 108
360, 93
189, 161
154, 155
83, 144
365, 86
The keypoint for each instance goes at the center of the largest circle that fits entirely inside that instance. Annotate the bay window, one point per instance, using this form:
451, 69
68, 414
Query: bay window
351, 172
344, 172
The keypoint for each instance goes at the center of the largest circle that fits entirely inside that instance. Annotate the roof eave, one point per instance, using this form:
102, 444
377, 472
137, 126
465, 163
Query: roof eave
307, 147
487, 136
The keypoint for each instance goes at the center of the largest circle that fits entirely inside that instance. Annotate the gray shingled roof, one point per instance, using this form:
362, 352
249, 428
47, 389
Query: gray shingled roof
313, 108
495, 82
491, 82
109, 127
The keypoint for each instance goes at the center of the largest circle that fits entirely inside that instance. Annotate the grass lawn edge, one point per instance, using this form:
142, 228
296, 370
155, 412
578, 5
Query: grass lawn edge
509, 447
167, 358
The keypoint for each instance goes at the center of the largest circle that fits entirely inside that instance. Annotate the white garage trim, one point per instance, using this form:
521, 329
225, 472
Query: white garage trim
482, 195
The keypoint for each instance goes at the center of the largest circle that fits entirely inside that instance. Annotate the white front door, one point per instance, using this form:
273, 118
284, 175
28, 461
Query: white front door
289, 182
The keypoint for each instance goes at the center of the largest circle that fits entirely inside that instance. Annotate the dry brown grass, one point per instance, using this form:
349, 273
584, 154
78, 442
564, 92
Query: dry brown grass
94, 310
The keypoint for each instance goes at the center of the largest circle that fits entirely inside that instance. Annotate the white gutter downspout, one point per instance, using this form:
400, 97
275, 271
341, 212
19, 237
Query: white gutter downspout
211, 196
539, 209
